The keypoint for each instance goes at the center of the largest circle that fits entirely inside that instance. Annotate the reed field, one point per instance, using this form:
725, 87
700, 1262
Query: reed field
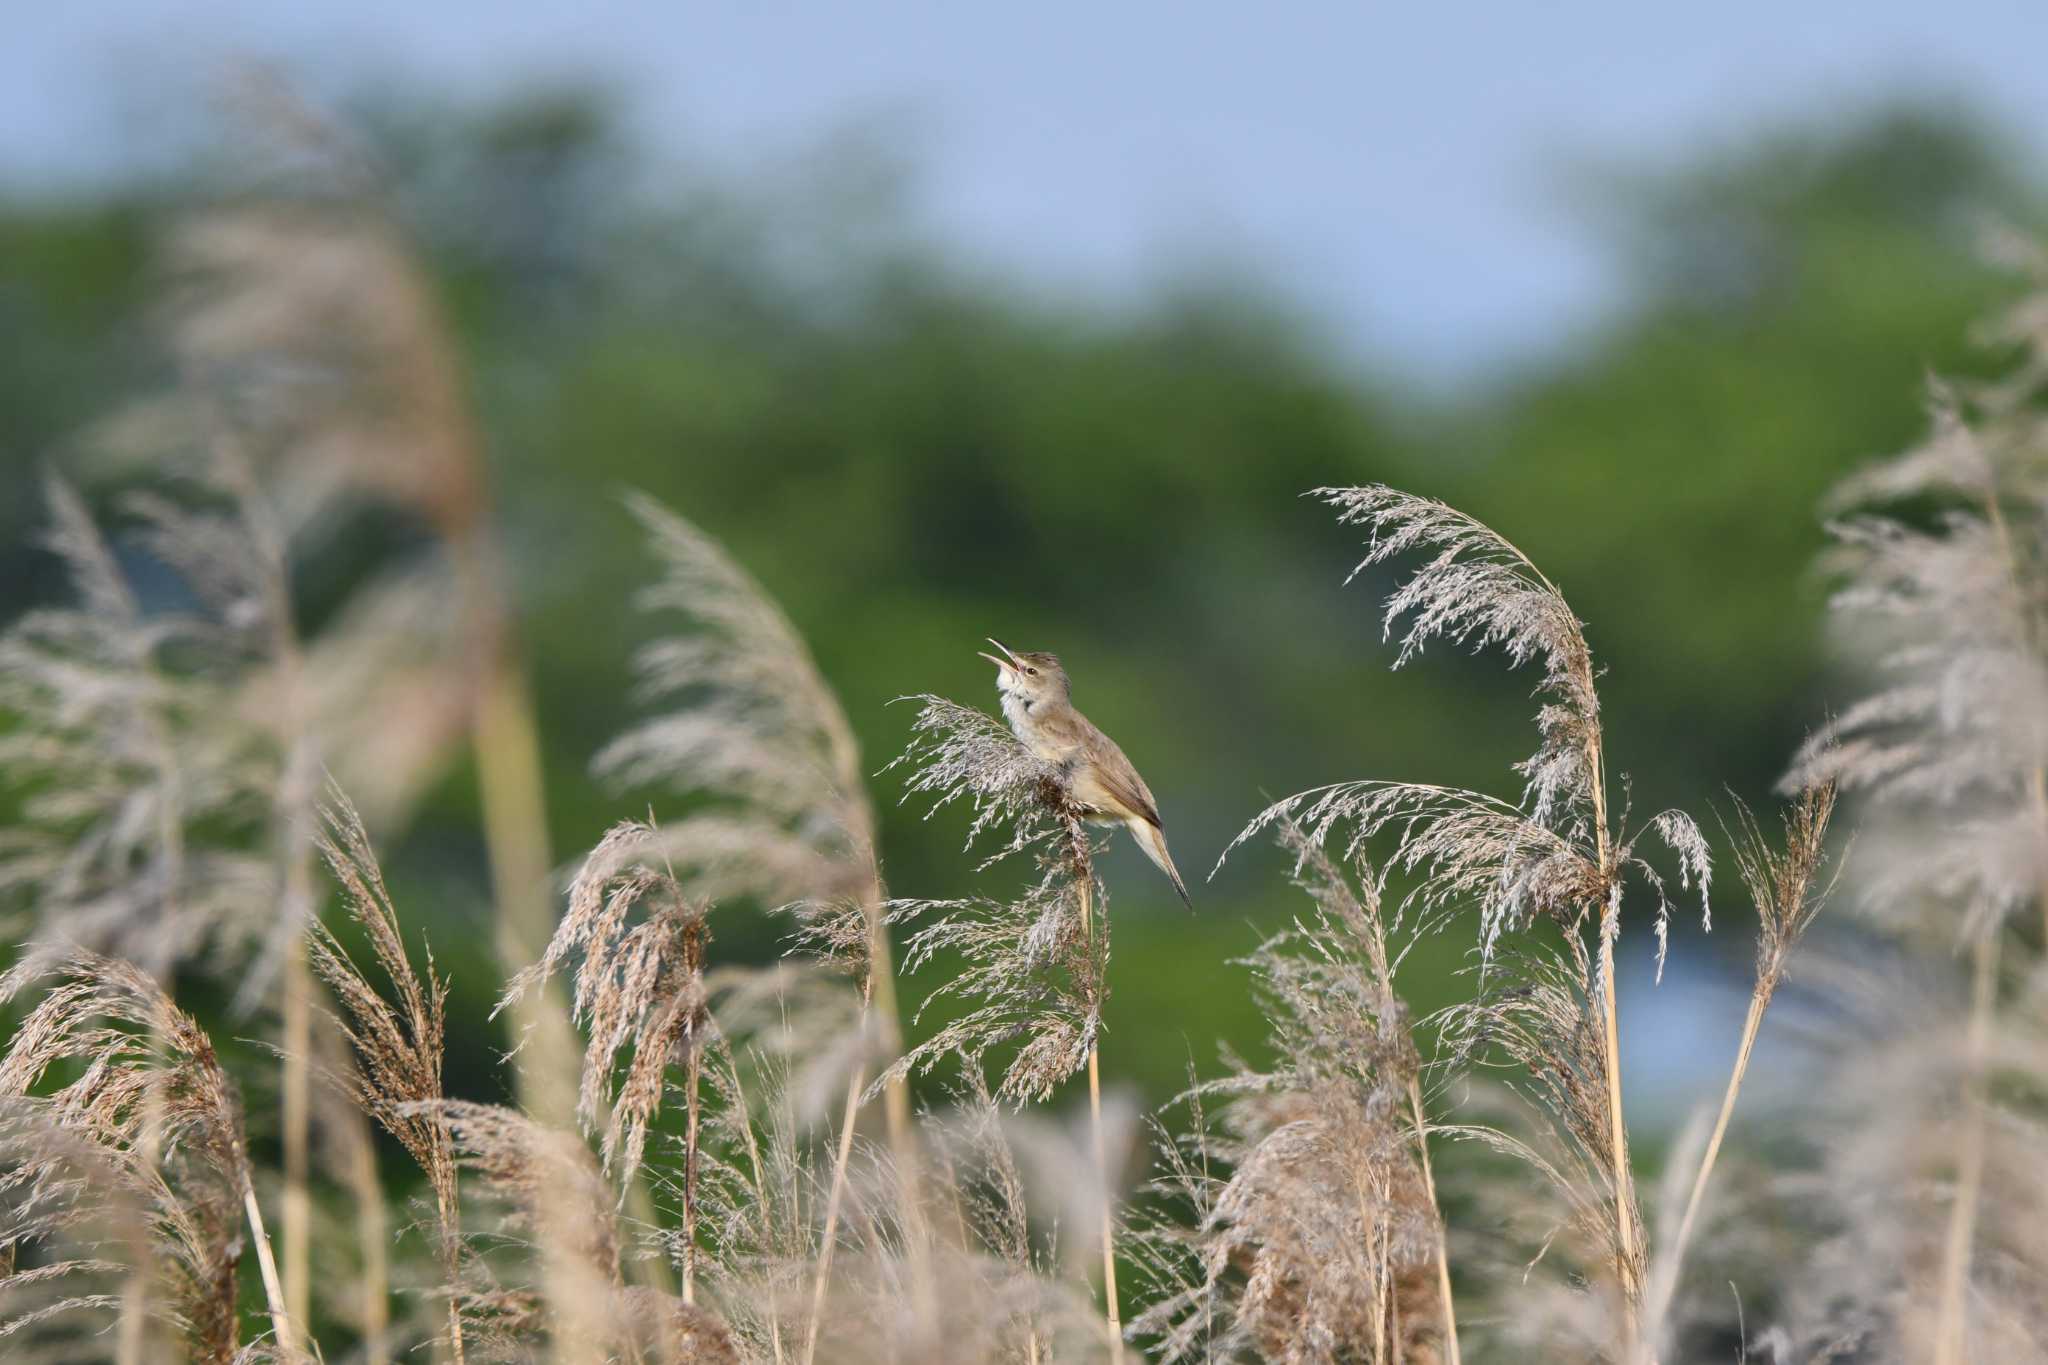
759, 1098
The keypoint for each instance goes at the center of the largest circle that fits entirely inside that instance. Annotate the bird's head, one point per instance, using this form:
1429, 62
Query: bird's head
1028, 675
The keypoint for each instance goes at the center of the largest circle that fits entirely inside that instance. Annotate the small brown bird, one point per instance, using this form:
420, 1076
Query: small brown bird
1037, 703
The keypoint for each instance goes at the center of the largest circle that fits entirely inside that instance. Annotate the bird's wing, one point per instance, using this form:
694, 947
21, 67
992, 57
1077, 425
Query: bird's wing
1121, 781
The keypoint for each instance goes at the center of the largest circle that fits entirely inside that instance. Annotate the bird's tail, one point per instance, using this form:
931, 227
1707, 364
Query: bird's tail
1152, 839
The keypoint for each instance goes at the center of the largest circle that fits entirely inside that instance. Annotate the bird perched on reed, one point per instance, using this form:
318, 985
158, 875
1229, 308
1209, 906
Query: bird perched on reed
1037, 702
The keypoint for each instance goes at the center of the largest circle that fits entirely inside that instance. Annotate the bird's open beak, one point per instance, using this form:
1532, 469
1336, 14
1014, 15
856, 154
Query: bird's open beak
1005, 665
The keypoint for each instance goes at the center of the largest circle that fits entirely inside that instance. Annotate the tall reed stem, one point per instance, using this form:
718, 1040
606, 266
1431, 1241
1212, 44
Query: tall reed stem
690, 1176
504, 731
509, 786
1624, 1183
1111, 1312
451, 1249
1382, 1300
1610, 1046
1443, 1250
832, 1203
882, 989
1759, 1001
295, 809
273, 1292
296, 1227
134, 1320
1951, 1342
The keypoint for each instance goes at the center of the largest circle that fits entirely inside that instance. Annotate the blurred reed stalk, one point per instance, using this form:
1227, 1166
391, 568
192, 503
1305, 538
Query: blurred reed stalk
836, 1196
399, 422
297, 1227
2030, 632
294, 817
423, 369
1951, 1338
879, 1006
880, 990
505, 737
171, 841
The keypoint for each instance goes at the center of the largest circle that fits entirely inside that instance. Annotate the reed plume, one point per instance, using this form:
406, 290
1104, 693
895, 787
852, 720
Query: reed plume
1033, 973
1035, 968
162, 870
1314, 1234
151, 1099
123, 744
74, 1241
753, 738
639, 985
994, 1204
399, 1042
1938, 561
279, 312
1919, 1093
569, 1301
752, 733
216, 853
572, 1304
995, 1296
647, 995
1786, 885
757, 1191
1948, 748
1556, 854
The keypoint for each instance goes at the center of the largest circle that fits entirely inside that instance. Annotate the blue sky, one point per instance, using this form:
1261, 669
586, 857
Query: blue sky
1394, 169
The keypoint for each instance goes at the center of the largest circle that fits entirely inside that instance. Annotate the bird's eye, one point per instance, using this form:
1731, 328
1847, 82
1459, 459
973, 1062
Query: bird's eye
1032, 671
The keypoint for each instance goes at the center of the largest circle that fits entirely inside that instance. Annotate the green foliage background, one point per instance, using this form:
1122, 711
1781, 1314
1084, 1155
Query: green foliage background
913, 455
